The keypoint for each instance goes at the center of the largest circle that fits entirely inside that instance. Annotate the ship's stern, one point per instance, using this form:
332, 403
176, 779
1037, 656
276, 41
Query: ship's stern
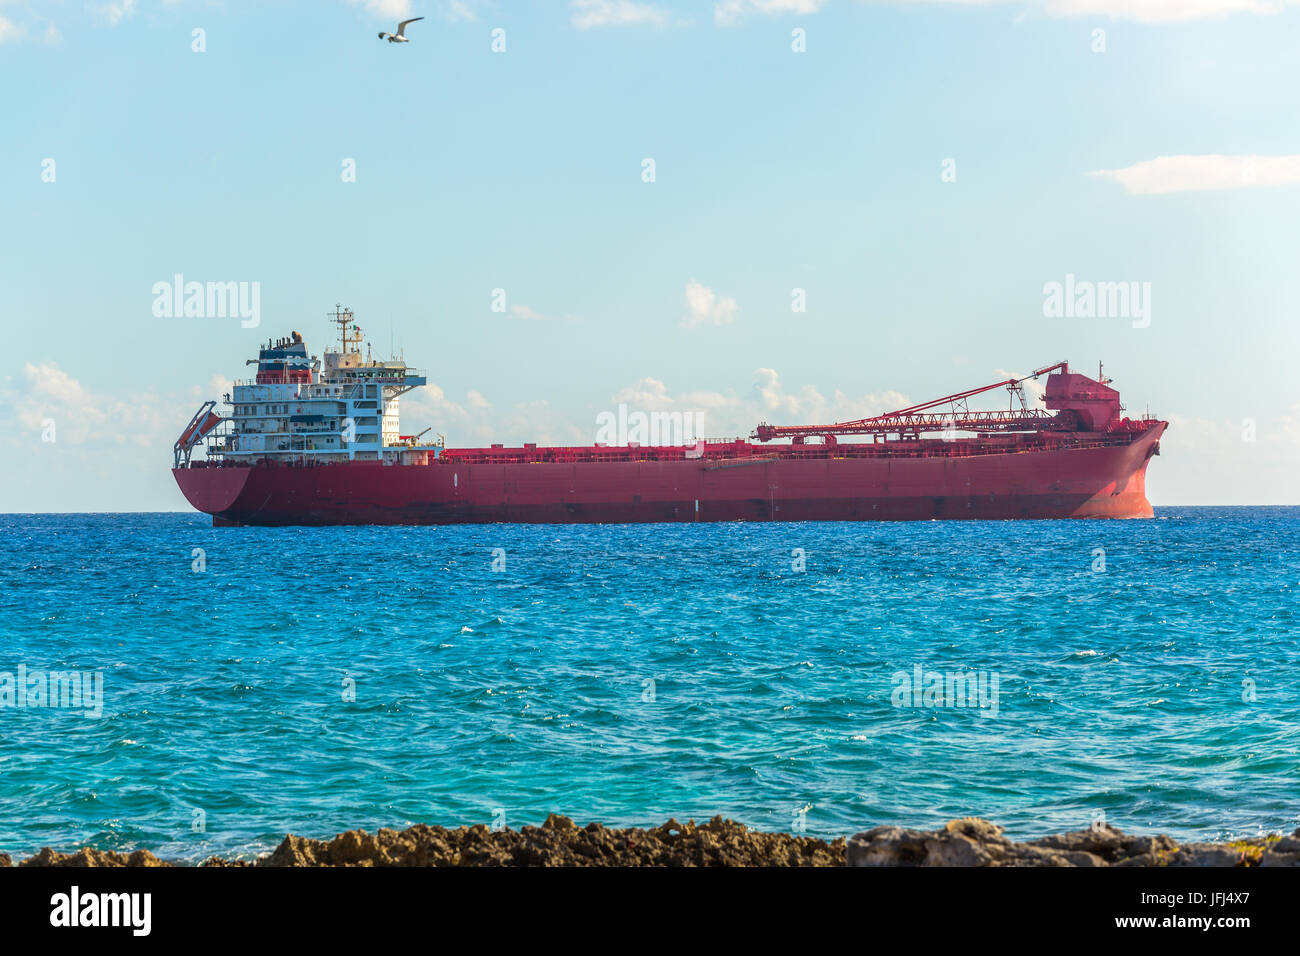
212, 490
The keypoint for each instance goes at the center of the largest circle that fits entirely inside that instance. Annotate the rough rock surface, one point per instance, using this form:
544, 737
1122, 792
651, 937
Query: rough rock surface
560, 842
88, 857
557, 842
976, 842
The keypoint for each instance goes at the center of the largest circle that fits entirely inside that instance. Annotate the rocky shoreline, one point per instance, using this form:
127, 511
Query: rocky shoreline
561, 842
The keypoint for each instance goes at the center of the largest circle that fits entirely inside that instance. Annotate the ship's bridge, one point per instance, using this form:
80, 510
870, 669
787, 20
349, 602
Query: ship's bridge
300, 409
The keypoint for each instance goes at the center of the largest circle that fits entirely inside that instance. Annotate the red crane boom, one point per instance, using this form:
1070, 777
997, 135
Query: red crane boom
914, 419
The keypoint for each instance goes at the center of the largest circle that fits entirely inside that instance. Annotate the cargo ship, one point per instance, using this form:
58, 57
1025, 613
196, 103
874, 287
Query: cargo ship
317, 441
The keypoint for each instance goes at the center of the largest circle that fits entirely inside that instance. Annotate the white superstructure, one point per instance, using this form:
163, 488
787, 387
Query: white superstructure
302, 410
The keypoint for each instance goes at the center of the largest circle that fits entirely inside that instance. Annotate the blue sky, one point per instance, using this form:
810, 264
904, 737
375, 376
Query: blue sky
1169, 158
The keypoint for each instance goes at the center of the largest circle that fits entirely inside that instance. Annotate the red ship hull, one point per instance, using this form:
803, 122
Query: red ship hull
1105, 480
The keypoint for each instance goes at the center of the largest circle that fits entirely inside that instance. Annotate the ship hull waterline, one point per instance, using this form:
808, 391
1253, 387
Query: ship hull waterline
1106, 481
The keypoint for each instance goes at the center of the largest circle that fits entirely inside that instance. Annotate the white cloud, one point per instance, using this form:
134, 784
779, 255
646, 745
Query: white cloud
466, 10
1177, 174
1162, 11
118, 11
80, 416
48, 382
390, 9
732, 11
649, 394
731, 415
435, 401
124, 439
772, 397
430, 406
727, 12
588, 14
704, 307
537, 421
476, 423
525, 313
9, 30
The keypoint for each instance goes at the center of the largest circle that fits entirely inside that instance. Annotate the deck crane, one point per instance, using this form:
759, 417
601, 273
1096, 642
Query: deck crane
910, 422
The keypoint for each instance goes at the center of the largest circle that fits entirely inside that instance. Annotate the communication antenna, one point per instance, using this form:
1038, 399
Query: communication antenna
344, 319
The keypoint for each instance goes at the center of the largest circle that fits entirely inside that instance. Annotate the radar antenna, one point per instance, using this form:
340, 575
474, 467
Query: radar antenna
349, 332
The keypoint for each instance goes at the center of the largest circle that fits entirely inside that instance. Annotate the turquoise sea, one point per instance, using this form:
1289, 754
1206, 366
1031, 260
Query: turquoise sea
316, 680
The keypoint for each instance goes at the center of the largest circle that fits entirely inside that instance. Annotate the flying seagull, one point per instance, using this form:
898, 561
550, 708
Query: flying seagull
400, 35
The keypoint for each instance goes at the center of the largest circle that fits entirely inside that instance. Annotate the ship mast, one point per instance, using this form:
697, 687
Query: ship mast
344, 319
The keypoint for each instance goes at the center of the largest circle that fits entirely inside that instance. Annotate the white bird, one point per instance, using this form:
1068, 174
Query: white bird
400, 35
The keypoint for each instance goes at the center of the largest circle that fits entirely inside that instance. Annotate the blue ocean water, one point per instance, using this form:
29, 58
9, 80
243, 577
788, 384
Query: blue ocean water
317, 680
